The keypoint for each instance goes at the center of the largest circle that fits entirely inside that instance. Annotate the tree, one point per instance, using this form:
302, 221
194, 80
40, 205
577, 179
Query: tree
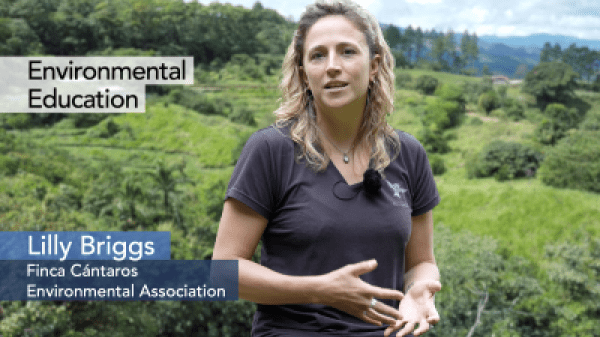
545, 53
392, 36
166, 182
489, 101
505, 160
558, 120
582, 59
450, 49
427, 84
474, 47
465, 45
486, 71
419, 42
408, 43
438, 50
521, 71
550, 82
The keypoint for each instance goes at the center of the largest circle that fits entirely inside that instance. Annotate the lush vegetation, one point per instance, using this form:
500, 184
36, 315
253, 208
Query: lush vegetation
516, 232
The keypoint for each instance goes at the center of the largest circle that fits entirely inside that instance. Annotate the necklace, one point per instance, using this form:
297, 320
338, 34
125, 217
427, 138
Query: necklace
344, 153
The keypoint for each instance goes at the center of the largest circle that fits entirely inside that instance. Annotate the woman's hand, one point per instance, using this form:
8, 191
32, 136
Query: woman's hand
344, 290
417, 307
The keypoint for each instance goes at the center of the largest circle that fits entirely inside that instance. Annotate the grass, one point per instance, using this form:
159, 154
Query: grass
523, 215
442, 77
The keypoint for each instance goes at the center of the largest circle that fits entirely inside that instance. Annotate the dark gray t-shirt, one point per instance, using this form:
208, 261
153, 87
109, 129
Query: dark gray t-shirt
317, 223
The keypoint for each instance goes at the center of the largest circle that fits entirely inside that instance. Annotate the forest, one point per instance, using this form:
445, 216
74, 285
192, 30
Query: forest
517, 234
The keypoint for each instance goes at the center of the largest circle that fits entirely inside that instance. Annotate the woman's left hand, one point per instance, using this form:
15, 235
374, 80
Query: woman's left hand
417, 307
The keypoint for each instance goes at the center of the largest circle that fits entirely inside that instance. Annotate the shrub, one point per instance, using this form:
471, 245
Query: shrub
489, 101
514, 109
427, 84
474, 89
106, 129
84, 120
596, 85
502, 92
8, 165
573, 269
550, 82
412, 101
433, 139
199, 102
7, 141
437, 164
243, 116
475, 121
481, 272
17, 121
558, 120
403, 80
505, 160
450, 93
244, 67
437, 112
574, 162
591, 122
440, 114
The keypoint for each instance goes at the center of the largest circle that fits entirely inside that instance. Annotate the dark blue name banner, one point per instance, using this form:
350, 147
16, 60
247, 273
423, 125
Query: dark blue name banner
118, 246
82, 280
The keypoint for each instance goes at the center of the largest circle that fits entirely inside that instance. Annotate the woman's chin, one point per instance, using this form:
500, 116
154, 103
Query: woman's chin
340, 103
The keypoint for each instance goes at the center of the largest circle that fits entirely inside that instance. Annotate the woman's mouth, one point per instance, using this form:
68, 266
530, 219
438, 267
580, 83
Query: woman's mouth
335, 85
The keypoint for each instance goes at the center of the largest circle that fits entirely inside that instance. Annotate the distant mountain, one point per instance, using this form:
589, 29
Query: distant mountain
502, 59
503, 55
538, 40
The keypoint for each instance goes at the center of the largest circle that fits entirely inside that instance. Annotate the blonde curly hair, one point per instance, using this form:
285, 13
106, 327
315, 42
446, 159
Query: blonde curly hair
296, 111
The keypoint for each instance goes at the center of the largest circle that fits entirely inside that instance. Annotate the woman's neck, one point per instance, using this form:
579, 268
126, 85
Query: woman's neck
341, 125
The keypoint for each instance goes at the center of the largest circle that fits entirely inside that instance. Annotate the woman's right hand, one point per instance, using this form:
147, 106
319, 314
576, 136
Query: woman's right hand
344, 290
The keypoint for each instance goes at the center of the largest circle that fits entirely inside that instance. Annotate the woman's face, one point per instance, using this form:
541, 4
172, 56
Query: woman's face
337, 64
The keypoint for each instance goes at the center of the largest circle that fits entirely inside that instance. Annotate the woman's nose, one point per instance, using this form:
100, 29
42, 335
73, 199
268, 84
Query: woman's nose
333, 63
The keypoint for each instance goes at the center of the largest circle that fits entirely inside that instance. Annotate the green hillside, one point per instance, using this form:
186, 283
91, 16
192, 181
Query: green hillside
65, 177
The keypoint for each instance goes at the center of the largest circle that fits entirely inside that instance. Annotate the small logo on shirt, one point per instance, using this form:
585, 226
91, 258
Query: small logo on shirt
398, 193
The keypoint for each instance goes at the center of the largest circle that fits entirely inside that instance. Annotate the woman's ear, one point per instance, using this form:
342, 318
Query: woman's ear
374, 67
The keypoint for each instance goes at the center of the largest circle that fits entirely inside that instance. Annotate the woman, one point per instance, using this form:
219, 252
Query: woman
335, 194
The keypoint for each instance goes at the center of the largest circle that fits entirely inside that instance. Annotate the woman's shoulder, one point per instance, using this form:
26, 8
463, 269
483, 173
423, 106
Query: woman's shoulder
272, 137
409, 142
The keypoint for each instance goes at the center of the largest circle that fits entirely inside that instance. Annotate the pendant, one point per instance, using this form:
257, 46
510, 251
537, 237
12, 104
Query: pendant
346, 159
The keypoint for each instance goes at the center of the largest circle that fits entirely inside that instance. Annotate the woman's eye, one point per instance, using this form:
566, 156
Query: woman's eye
349, 51
316, 56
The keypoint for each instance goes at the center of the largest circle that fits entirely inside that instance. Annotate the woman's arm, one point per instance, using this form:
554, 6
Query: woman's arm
239, 232
421, 281
419, 258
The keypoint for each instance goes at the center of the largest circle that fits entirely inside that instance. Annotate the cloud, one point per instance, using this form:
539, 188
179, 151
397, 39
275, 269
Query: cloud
579, 18
421, 2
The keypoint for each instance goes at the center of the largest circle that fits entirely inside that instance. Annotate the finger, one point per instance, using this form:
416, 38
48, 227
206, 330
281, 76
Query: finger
393, 328
387, 310
381, 318
434, 286
389, 294
423, 327
363, 267
406, 330
433, 318
365, 317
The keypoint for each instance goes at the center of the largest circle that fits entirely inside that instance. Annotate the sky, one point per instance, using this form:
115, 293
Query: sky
580, 19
